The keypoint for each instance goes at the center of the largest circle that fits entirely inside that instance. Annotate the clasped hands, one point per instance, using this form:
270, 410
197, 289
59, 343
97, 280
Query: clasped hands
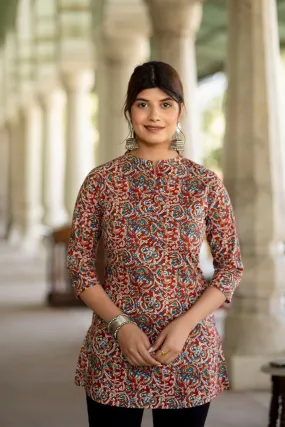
136, 347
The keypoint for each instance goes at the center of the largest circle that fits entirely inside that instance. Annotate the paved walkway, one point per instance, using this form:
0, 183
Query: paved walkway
39, 348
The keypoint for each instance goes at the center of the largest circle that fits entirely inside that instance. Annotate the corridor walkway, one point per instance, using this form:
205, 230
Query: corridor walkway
39, 347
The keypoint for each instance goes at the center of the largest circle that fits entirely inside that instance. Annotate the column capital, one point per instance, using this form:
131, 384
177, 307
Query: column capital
12, 116
175, 17
124, 47
31, 104
78, 81
52, 99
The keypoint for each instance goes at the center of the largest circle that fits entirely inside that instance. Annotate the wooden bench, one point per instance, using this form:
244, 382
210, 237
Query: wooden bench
277, 405
60, 291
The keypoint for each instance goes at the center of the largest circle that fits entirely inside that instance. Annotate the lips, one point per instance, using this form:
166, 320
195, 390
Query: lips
154, 128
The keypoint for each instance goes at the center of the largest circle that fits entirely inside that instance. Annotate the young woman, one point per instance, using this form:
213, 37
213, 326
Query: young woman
152, 342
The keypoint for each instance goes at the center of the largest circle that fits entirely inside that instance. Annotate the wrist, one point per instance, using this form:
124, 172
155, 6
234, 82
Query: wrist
189, 320
122, 327
115, 324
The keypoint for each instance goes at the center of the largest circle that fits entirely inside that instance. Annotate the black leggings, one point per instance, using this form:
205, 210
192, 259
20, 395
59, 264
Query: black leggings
114, 416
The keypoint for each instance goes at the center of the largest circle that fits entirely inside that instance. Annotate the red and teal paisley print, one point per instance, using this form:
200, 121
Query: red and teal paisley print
153, 221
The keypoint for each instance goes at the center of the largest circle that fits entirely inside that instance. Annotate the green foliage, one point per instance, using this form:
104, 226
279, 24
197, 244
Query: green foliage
213, 127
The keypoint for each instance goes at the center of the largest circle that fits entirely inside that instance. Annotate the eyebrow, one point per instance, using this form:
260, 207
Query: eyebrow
147, 100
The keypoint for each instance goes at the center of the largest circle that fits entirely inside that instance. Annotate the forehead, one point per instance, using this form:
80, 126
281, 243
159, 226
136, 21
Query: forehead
153, 94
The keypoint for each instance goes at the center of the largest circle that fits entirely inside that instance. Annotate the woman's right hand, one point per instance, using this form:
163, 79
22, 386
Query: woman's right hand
135, 346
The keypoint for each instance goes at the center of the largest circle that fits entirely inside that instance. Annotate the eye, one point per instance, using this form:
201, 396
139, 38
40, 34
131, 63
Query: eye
142, 105
166, 105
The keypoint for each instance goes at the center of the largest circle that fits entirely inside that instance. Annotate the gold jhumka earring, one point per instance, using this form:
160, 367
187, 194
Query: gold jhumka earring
178, 143
131, 142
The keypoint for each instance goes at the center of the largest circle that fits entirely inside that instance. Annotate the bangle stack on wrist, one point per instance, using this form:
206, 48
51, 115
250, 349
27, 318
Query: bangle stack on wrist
117, 322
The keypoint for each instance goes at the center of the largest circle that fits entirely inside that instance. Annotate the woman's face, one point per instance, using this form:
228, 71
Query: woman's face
154, 117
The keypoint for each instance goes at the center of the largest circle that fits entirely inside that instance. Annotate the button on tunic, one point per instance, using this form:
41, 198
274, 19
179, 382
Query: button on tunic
153, 220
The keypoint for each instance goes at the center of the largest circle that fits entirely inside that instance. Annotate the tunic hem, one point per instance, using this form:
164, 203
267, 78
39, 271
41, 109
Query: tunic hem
203, 402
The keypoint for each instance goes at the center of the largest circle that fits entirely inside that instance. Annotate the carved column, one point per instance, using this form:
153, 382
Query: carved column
119, 55
79, 144
53, 158
175, 25
254, 176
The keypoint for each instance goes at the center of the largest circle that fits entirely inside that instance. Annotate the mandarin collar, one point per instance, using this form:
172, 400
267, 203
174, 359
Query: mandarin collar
150, 163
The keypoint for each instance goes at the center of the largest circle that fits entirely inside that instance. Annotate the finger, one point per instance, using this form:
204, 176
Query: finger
132, 361
146, 341
165, 356
159, 341
139, 360
132, 358
146, 350
142, 361
149, 360
170, 357
168, 360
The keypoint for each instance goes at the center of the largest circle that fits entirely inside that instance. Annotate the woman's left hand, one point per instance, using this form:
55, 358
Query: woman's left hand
171, 341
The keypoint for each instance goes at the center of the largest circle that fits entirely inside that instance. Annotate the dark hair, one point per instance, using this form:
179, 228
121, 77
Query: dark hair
153, 74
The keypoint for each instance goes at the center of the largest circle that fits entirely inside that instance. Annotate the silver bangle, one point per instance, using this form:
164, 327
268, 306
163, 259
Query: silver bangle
117, 322
117, 318
115, 334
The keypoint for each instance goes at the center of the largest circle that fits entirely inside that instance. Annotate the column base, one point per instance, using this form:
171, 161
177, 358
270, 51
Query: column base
32, 244
58, 219
4, 226
245, 373
15, 236
29, 241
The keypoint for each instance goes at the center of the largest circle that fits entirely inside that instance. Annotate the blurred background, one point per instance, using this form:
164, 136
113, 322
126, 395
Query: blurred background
64, 70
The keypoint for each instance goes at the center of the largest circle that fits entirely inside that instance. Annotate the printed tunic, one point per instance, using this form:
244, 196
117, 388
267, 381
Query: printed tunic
153, 220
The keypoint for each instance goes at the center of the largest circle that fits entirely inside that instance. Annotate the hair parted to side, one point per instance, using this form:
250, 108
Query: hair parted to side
153, 74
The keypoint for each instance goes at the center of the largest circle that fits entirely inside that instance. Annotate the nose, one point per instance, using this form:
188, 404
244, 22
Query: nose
154, 116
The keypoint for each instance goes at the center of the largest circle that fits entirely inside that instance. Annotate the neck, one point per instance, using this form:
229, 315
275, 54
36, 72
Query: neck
154, 153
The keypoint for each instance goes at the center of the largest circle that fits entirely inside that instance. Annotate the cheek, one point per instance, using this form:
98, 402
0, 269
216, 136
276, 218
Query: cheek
171, 120
174, 116
138, 116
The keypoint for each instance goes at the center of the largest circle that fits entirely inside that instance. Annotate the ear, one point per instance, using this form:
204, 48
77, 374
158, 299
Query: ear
182, 108
130, 121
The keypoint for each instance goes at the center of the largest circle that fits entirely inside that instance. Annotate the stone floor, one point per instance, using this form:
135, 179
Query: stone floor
39, 347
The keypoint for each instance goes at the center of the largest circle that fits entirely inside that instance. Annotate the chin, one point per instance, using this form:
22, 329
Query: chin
155, 140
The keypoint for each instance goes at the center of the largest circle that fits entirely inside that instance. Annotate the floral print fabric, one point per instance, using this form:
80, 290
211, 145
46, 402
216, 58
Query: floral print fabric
153, 220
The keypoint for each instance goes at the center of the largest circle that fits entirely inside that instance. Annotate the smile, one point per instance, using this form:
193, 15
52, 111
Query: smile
153, 129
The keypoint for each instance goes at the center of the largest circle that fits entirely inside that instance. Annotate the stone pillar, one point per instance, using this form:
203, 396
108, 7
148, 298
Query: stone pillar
10, 96
30, 214
79, 144
254, 177
118, 56
4, 155
14, 133
175, 25
53, 158
25, 177
4, 181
